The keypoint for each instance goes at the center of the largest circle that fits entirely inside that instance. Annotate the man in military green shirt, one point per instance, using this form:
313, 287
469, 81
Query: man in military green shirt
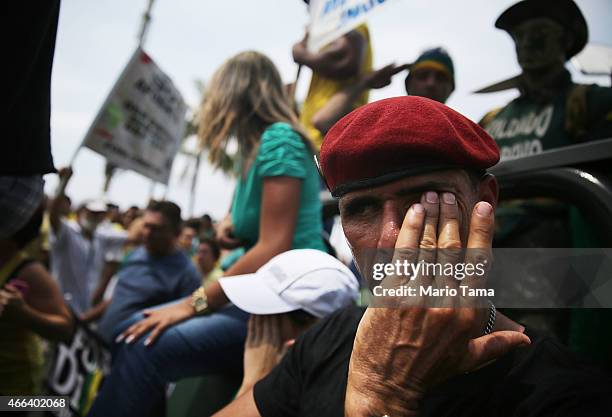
551, 110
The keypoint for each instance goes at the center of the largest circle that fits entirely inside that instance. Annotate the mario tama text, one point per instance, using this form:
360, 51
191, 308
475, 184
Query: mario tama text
432, 291
405, 279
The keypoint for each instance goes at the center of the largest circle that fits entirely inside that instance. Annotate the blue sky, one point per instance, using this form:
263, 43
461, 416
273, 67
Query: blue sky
189, 39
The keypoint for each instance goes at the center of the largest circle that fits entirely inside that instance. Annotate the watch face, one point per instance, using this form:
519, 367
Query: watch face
200, 304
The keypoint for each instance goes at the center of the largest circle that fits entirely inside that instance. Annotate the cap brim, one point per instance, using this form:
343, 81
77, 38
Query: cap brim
96, 206
95, 209
415, 169
250, 294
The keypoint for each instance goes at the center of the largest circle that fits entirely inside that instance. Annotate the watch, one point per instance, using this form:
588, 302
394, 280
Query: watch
199, 301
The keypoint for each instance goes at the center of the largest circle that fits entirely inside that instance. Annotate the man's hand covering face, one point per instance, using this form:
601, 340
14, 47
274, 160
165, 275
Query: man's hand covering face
400, 353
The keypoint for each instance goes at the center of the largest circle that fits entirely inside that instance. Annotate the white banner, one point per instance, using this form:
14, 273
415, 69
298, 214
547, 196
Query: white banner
330, 19
142, 121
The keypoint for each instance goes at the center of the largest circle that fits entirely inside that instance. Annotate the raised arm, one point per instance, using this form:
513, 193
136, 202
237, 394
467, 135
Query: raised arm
55, 216
343, 101
340, 59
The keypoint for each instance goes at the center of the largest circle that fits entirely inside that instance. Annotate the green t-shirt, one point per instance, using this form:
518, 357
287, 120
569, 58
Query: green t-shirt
526, 127
281, 153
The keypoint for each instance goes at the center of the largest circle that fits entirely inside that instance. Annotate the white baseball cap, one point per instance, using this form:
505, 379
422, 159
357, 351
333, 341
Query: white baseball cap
97, 206
305, 279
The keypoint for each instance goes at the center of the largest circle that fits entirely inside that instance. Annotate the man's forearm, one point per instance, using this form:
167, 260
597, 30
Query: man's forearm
110, 268
337, 107
96, 311
335, 62
246, 386
55, 217
244, 406
322, 63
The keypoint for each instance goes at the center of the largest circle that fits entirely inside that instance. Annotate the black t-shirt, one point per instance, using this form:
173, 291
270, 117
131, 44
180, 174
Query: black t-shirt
28, 43
543, 379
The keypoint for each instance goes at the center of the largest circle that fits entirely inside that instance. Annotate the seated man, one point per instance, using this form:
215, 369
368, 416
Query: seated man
285, 298
157, 272
304, 279
415, 178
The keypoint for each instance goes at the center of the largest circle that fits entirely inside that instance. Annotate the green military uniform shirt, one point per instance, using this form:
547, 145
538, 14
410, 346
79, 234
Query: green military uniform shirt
527, 127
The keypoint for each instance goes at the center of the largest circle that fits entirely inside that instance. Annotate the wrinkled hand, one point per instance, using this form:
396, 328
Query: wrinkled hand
264, 347
157, 321
11, 300
400, 353
382, 77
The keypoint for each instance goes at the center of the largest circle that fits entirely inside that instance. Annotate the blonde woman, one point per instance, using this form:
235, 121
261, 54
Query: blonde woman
275, 208
276, 202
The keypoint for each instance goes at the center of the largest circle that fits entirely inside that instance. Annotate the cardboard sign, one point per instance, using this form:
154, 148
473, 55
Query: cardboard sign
142, 121
330, 19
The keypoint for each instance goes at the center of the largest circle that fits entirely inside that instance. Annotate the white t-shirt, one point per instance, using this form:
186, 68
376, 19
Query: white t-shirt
76, 262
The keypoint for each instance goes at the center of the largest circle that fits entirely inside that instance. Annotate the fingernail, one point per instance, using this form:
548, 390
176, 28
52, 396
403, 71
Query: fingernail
431, 197
484, 209
418, 208
130, 339
147, 342
449, 198
119, 338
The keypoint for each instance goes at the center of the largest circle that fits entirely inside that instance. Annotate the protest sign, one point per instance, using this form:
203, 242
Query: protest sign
141, 124
330, 19
78, 369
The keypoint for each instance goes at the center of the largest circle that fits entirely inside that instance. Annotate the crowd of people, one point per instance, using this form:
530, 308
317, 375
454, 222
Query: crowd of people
259, 295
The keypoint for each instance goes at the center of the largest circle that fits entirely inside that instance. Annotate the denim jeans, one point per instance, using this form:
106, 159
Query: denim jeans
203, 345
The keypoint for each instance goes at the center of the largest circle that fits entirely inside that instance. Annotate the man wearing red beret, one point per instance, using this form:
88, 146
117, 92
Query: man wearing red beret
410, 173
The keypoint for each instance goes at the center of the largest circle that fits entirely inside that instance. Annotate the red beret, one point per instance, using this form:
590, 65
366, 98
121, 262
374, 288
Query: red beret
401, 136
